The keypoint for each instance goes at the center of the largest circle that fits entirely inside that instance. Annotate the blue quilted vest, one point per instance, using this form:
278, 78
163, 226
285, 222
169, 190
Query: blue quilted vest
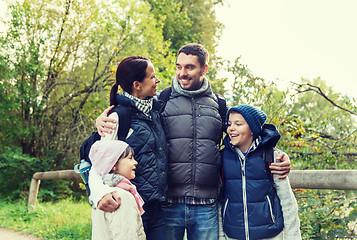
149, 144
251, 207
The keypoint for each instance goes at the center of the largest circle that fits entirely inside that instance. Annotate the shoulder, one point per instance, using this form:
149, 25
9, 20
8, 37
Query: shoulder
164, 95
113, 115
124, 111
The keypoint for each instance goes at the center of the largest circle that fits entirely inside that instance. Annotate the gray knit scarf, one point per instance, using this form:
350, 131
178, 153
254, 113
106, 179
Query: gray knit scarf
144, 106
112, 179
188, 93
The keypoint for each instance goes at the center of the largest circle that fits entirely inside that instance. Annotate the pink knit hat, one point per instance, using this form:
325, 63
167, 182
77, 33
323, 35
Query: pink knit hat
104, 155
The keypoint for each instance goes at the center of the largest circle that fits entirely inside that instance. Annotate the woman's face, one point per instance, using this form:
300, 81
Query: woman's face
148, 87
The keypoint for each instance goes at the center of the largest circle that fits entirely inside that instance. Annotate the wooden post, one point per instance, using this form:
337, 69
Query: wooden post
35, 184
36, 180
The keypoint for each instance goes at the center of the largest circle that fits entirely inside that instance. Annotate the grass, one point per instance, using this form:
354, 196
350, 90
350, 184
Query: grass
65, 219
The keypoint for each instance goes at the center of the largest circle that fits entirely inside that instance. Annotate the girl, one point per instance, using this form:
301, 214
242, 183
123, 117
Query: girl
115, 163
255, 206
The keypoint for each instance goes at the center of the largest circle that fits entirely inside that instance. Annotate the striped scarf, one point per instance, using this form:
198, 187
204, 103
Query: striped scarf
144, 106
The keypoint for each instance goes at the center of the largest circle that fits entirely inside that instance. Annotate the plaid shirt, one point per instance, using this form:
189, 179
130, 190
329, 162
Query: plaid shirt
191, 200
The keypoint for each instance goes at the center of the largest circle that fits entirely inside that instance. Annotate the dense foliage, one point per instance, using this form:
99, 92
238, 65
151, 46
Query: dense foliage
58, 62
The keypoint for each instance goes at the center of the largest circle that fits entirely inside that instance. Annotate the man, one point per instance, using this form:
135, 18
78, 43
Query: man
193, 128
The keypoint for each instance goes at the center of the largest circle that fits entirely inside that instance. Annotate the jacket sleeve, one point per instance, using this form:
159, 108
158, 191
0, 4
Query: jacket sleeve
114, 134
96, 186
289, 206
123, 223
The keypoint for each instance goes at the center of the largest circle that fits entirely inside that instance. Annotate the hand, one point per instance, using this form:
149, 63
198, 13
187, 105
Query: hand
282, 168
110, 202
103, 123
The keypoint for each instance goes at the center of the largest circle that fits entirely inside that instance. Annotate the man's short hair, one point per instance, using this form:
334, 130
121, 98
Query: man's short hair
197, 50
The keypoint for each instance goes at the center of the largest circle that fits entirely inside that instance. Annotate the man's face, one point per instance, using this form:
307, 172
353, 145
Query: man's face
189, 72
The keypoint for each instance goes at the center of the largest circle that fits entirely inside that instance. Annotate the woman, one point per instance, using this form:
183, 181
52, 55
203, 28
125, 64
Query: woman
136, 76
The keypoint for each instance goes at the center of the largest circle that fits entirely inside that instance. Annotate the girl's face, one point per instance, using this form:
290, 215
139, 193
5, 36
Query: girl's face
148, 87
239, 131
126, 167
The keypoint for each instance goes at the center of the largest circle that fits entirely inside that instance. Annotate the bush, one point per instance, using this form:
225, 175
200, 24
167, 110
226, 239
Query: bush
16, 171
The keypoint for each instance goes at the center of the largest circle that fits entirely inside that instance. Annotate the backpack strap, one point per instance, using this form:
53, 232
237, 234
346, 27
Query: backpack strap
268, 156
165, 94
222, 109
124, 114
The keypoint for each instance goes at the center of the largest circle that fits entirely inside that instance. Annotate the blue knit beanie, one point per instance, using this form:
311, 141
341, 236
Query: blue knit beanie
253, 116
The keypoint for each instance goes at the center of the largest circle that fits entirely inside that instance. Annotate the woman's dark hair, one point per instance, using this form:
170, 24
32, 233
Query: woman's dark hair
129, 70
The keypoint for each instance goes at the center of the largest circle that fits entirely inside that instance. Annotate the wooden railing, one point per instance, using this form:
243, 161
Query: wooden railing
36, 180
324, 179
307, 179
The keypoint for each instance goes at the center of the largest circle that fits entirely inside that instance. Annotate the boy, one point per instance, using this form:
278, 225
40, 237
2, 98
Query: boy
255, 206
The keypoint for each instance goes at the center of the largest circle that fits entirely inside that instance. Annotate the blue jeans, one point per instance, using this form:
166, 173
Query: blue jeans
153, 221
200, 221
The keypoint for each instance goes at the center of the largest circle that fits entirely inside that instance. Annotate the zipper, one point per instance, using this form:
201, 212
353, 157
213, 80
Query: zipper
207, 106
244, 190
194, 144
224, 210
216, 110
271, 209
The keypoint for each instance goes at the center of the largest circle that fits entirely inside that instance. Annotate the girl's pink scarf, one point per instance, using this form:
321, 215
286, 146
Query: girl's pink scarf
128, 186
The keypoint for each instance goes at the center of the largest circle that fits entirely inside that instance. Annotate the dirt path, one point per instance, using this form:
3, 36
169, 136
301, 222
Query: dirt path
6, 234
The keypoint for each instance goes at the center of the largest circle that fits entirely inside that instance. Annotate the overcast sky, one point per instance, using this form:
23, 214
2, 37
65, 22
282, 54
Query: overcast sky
287, 40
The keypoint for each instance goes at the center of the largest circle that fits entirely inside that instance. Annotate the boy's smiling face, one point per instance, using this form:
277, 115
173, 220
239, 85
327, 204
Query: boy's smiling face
239, 132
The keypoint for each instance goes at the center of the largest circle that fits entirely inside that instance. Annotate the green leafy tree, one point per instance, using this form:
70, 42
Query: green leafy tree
58, 61
187, 21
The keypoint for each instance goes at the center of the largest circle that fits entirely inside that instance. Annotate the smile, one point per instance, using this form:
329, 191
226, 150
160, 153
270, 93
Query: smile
186, 79
185, 82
